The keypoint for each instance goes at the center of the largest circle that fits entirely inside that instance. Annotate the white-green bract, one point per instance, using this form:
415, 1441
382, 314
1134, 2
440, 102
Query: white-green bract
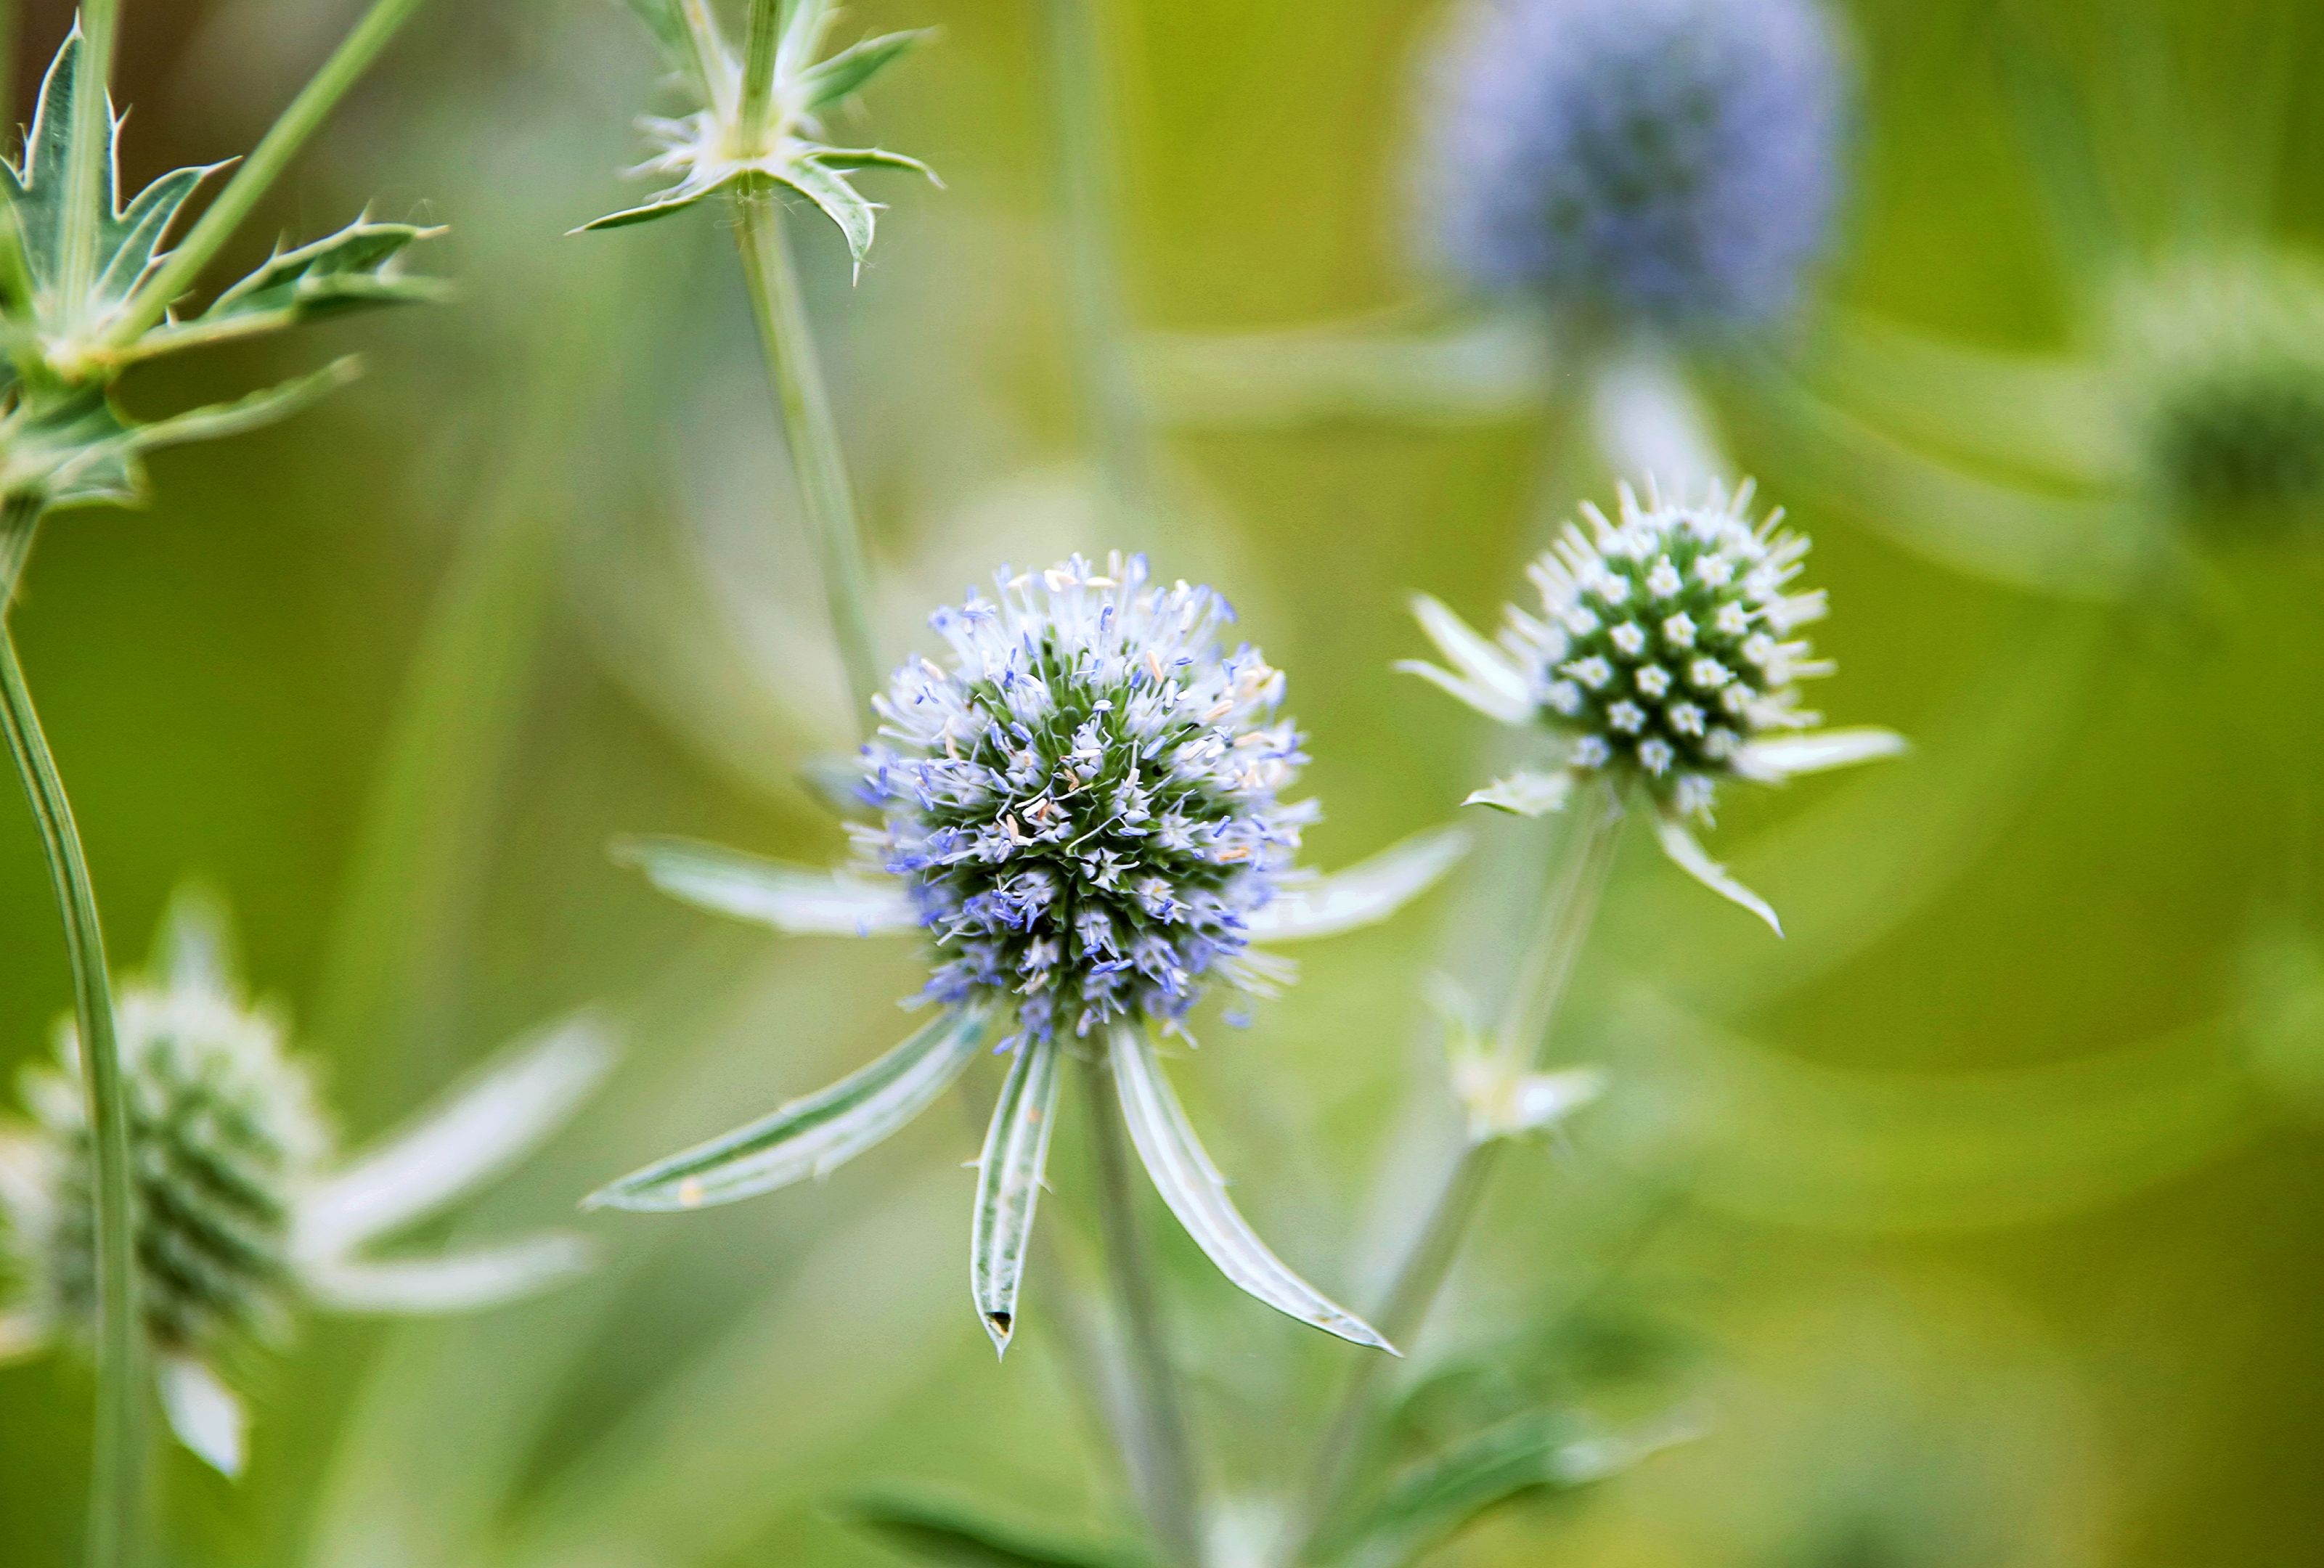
1662, 661
244, 1213
1081, 814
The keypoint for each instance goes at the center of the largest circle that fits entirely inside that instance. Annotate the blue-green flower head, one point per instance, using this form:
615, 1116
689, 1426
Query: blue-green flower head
1662, 163
223, 1130
1665, 660
1084, 802
2225, 366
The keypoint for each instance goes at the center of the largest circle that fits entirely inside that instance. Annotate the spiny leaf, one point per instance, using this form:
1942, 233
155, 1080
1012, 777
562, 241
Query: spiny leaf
645, 212
828, 81
811, 1136
1009, 1186
1197, 1194
852, 158
82, 450
839, 201
938, 1529
128, 241
356, 267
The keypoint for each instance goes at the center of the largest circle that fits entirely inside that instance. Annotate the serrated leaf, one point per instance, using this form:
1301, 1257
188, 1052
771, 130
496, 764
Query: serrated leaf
128, 241
845, 73
1365, 894
1526, 793
356, 267
1543, 1453
793, 899
939, 1529
1195, 1191
810, 1137
1008, 1184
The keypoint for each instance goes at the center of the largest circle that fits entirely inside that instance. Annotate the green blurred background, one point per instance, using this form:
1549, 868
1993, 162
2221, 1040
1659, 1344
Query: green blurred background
1971, 1219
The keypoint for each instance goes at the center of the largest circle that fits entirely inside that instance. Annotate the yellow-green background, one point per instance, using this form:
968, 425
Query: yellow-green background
2127, 1372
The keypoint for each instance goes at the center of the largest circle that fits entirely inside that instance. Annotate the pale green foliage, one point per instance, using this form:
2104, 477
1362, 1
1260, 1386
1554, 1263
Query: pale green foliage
66, 342
751, 131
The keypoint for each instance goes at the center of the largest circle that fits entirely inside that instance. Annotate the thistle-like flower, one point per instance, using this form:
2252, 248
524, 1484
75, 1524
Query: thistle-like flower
757, 123
1668, 163
244, 1215
1662, 661
1082, 815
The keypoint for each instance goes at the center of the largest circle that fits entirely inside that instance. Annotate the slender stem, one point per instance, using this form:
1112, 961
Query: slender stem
1569, 905
85, 173
758, 49
813, 437
257, 173
1106, 381
1160, 1461
118, 1484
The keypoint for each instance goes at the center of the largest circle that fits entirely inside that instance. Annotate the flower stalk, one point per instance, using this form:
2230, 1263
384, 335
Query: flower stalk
118, 1484
1090, 206
811, 433
1561, 929
1157, 1452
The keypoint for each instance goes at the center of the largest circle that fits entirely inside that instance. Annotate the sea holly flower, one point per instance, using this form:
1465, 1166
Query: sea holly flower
759, 122
1672, 165
1082, 815
246, 1211
78, 310
1663, 662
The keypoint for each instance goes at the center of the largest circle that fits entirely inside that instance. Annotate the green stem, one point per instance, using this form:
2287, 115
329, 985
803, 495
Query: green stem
257, 174
812, 435
1419, 1276
118, 1484
1106, 380
85, 174
1160, 1459
1569, 905
759, 50
1567, 910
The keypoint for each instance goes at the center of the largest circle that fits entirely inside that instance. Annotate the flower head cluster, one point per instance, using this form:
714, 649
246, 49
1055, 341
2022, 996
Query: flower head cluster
1085, 804
243, 1211
223, 1132
1663, 660
1665, 643
1665, 162
2226, 362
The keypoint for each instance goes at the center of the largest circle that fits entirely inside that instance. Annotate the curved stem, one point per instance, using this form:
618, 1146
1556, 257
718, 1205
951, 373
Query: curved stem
1160, 1457
116, 1487
1569, 905
256, 173
1106, 381
813, 437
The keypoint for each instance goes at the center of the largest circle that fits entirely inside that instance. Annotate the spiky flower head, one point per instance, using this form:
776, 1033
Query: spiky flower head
1084, 803
2226, 374
242, 1214
223, 1132
1666, 163
1663, 660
